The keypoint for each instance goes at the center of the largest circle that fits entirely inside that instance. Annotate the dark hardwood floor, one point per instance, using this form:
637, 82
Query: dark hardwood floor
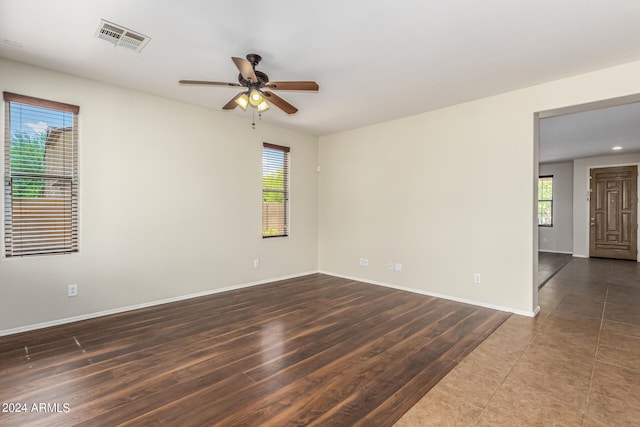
316, 350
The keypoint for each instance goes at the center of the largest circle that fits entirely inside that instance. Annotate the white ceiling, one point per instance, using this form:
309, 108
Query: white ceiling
590, 133
374, 60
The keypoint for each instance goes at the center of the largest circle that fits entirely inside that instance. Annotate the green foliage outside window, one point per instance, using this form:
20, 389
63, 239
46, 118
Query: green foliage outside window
273, 187
545, 201
27, 156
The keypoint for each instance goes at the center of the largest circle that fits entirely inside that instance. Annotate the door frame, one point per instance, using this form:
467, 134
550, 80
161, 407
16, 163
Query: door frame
537, 116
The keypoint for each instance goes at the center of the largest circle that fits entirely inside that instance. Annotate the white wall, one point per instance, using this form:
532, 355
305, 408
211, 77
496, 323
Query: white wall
170, 204
559, 237
581, 171
448, 193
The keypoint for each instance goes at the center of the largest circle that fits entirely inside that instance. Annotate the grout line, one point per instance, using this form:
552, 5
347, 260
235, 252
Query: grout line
507, 375
595, 356
537, 332
620, 366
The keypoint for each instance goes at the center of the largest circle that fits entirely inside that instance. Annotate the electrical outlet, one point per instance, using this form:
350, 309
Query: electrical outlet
397, 267
364, 262
72, 290
477, 278
256, 263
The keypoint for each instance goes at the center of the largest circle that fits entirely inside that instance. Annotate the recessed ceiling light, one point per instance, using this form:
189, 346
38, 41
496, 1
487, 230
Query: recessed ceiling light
617, 147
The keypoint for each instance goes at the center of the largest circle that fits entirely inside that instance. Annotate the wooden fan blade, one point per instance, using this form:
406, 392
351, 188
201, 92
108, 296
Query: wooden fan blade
280, 103
245, 68
305, 86
206, 83
232, 104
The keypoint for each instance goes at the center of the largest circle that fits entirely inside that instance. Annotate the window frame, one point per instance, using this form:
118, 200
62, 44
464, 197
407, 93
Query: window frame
541, 200
60, 236
285, 219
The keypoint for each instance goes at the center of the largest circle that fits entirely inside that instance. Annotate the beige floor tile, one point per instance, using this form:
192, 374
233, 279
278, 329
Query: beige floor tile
507, 341
471, 385
562, 381
589, 288
590, 422
558, 345
524, 409
492, 360
553, 349
550, 298
595, 293
619, 350
584, 328
615, 397
579, 308
622, 313
624, 295
618, 328
438, 408
524, 324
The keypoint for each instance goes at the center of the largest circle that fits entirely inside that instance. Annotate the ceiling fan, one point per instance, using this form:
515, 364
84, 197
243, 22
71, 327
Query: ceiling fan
258, 87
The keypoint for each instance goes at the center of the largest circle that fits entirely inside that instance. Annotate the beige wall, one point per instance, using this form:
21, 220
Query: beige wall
448, 193
170, 204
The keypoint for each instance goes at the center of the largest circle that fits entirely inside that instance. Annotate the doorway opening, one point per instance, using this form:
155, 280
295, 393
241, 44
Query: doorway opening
592, 130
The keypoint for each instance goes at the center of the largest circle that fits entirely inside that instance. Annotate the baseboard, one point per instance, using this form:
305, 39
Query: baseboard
533, 313
555, 252
587, 256
72, 319
118, 310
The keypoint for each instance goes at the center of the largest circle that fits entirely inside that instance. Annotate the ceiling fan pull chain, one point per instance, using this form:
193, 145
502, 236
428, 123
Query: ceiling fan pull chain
253, 119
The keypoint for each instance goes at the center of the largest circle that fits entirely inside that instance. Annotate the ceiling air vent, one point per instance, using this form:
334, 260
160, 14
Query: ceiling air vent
121, 36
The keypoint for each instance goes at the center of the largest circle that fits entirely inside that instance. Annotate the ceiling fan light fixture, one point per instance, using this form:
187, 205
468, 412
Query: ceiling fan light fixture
263, 106
255, 98
242, 101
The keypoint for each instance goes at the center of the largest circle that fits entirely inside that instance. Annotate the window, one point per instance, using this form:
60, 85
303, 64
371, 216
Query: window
40, 176
545, 201
275, 190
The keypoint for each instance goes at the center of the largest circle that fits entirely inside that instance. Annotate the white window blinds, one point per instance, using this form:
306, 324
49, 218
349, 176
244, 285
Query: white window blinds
40, 176
275, 190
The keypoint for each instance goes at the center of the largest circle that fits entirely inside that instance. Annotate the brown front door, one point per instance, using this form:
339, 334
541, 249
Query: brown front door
613, 213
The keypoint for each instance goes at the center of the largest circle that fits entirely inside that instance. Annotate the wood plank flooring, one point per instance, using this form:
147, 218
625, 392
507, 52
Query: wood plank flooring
316, 350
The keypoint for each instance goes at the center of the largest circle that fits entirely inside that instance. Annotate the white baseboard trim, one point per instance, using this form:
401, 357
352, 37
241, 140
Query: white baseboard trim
555, 252
533, 313
87, 316
72, 319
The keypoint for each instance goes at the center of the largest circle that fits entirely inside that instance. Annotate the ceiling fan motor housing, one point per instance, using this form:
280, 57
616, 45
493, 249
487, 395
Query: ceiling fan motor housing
254, 58
262, 80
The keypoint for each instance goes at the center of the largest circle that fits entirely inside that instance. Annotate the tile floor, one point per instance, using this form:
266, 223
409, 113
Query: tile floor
576, 364
549, 264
